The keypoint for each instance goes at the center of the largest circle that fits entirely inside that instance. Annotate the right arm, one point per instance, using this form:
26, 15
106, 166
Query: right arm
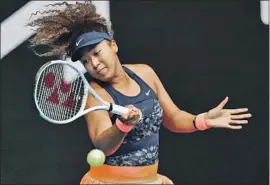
104, 135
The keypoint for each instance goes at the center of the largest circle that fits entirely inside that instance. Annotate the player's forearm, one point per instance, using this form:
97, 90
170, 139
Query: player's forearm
181, 122
110, 140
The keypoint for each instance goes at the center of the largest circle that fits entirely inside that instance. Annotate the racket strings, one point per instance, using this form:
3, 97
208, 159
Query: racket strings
60, 91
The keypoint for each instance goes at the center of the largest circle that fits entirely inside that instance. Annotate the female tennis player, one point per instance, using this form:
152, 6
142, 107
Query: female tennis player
130, 143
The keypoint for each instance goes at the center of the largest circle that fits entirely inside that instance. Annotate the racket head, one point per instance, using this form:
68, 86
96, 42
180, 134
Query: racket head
60, 92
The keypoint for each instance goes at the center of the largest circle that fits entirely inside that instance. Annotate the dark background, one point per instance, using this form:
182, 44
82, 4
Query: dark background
202, 51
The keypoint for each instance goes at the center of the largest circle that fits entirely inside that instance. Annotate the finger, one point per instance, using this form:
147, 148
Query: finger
134, 108
132, 114
223, 103
235, 127
135, 115
124, 116
139, 115
236, 111
130, 107
241, 116
238, 121
127, 115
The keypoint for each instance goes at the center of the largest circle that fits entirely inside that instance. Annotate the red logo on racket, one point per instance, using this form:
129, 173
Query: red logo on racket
49, 81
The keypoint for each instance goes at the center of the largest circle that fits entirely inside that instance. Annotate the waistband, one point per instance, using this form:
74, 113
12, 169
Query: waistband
120, 174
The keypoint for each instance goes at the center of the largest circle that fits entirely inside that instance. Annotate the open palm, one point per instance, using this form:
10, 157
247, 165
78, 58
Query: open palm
226, 118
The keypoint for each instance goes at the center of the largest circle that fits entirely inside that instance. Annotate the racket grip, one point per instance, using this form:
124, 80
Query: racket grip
117, 109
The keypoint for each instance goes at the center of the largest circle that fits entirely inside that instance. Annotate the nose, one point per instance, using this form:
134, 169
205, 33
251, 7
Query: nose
95, 63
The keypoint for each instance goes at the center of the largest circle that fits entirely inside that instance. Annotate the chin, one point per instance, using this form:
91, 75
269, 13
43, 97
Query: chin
104, 78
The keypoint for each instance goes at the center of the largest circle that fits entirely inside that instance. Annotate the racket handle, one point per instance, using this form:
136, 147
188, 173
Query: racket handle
117, 109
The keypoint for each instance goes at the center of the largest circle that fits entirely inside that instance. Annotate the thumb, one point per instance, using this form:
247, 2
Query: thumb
223, 103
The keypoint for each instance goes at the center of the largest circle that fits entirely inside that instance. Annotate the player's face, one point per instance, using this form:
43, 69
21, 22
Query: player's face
101, 60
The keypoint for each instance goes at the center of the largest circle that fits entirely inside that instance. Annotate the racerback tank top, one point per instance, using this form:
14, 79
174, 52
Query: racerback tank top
140, 146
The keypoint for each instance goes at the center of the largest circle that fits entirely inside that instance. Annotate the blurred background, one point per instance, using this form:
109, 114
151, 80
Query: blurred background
202, 52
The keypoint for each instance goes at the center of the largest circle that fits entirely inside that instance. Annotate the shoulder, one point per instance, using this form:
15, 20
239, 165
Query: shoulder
141, 69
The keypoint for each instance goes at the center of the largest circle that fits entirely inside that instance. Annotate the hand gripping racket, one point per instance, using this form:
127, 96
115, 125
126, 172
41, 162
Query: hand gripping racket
61, 91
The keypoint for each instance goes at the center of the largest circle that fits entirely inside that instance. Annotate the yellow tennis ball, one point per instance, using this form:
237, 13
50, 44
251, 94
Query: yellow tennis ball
96, 157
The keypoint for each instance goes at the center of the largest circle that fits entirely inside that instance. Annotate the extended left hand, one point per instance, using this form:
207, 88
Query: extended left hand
226, 118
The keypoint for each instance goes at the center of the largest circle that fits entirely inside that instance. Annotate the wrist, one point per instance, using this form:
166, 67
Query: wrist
122, 126
200, 122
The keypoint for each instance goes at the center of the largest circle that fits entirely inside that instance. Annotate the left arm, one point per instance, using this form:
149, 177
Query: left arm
180, 121
174, 119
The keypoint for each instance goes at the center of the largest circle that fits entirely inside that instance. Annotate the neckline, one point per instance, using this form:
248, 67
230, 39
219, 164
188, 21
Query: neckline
129, 73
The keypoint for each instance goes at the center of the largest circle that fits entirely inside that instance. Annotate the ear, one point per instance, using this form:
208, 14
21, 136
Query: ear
114, 46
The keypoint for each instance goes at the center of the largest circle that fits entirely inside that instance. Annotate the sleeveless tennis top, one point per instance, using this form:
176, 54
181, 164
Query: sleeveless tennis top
140, 146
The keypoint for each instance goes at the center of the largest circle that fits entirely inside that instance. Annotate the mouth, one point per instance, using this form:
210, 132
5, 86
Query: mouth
100, 70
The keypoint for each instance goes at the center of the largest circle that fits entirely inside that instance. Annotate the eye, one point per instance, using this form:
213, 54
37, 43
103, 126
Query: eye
96, 53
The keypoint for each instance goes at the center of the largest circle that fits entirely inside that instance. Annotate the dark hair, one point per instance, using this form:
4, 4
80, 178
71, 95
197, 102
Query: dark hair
58, 27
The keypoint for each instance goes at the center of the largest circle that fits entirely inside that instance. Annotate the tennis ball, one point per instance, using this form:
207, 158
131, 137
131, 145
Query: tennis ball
96, 157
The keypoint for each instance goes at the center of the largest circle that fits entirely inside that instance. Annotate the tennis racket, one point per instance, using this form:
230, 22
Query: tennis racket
61, 91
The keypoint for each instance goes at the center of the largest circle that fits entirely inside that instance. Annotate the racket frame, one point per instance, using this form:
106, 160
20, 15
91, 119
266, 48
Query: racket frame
116, 109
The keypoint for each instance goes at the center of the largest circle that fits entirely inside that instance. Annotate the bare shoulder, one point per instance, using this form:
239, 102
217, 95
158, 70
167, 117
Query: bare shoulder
141, 69
145, 72
101, 92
